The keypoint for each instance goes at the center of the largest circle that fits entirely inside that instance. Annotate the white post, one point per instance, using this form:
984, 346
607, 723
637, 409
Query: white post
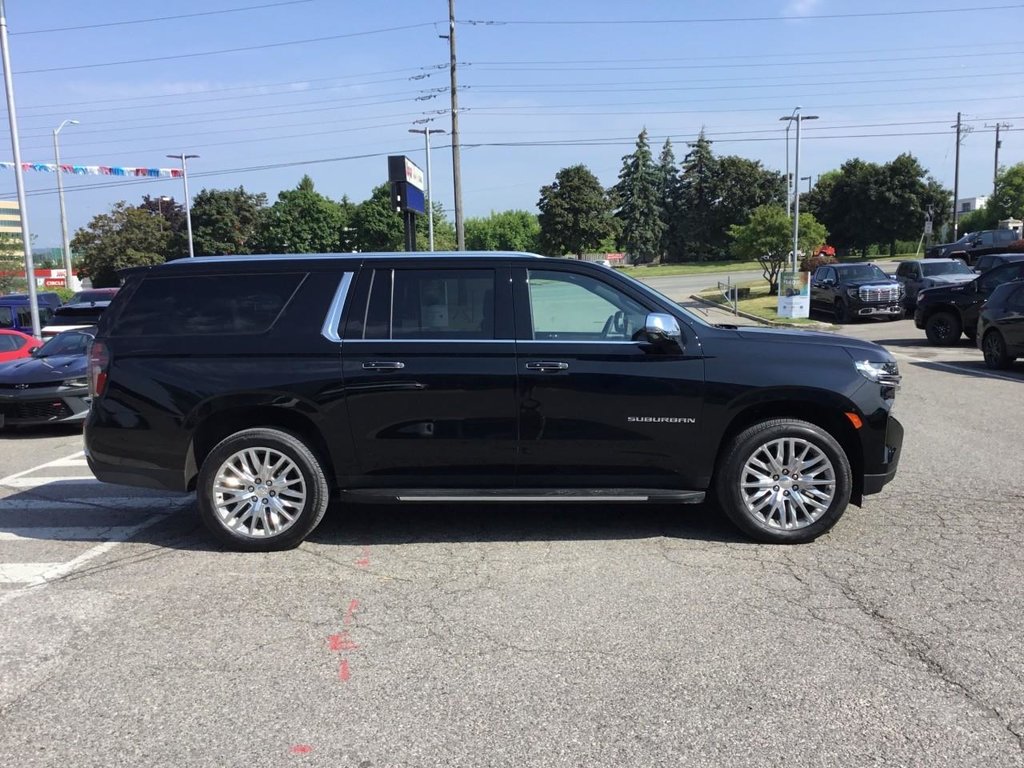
19, 179
796, 197
188, 206
430, 209
65, 244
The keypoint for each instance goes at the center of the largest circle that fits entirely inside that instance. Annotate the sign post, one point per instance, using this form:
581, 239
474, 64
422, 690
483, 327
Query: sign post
407, 196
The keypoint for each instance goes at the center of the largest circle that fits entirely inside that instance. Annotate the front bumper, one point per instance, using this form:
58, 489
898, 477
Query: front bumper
887, 310
880, 474
43, 405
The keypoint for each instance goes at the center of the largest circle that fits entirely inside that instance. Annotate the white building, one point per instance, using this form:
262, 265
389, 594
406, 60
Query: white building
968, 204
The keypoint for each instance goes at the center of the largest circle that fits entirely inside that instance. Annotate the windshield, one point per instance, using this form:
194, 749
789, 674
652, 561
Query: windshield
863, 272
66, 344
945, 268
86, 297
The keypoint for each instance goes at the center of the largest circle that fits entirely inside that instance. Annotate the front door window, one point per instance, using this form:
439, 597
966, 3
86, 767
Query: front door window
572, 307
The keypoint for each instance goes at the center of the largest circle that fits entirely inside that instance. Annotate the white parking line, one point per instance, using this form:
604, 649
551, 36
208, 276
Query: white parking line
63, 480
955, 367
99, 533
92, 503
24, 573
54, 463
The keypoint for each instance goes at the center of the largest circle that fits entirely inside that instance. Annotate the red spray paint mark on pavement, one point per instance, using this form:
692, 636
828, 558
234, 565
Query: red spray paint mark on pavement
364, 561
343, 671
353, 606
342, 642
301, 749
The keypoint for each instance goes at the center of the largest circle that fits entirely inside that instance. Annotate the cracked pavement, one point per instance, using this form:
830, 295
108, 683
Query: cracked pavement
527, 635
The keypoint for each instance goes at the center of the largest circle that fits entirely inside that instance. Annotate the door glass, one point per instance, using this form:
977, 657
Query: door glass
571, 307
443, 304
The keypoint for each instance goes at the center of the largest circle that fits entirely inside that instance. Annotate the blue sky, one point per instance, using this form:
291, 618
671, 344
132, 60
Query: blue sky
880, 84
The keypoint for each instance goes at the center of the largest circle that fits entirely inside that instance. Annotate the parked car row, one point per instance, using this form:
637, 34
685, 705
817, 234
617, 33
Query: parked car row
81, 311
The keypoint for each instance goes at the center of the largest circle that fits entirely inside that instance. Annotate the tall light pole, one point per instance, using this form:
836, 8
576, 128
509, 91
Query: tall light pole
796, 173
460, 231
19, 179
808, 180
430, 211
188, 203
789, 179
64, 244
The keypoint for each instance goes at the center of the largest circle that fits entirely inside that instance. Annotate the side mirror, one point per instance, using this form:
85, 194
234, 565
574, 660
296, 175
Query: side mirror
34, 350
663, 329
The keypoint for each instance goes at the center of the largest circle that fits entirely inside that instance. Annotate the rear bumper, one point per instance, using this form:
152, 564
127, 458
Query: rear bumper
141, 477
880, 474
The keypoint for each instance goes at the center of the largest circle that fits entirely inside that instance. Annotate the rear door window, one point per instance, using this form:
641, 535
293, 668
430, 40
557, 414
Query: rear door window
207, 305
431, 305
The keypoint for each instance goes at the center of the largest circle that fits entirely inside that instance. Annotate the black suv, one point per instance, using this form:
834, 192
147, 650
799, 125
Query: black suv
1001, 325
856, 290
946, 312
973, 244
270, 384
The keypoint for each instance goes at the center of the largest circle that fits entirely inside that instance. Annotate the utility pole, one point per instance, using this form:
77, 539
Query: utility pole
19, 179
188, 203
961, 131
460, 232
430, 211
999, 144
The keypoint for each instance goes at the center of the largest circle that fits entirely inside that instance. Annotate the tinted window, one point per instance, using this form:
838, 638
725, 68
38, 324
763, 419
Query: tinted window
207, 305
946, 268
434, 304
987, 238
998, 276
863, 272
1016, 299
10, 343
566, 306
1006, 236
69, 343
6, 317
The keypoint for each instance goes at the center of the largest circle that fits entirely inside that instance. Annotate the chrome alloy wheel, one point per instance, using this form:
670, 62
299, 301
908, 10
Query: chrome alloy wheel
258, 493
788, 483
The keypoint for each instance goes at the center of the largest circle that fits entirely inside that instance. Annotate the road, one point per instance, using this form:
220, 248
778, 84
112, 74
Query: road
531, 636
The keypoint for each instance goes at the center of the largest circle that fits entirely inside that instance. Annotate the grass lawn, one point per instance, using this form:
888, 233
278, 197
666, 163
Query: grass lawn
712, 267
758, 303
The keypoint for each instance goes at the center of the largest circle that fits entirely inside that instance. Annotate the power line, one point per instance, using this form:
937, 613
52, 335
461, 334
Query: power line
197, 54
734, 19
161, 18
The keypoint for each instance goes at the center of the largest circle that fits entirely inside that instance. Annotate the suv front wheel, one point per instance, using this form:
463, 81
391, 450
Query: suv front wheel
261, 490
784, 481
943, 328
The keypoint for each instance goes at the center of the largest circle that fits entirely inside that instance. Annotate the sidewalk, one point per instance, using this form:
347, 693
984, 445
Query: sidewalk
715, 315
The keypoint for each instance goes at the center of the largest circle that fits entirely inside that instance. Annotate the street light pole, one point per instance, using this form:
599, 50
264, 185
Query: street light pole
64, 243
188, 203
796, 173
19, 179
789, 183
430, 211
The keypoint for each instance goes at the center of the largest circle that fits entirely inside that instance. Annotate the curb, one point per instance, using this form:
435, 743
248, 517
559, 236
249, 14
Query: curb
755, 318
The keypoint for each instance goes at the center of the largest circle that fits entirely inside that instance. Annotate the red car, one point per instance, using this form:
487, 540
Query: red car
15, 345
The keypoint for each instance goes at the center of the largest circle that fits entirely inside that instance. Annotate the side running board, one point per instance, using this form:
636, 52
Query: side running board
532, 495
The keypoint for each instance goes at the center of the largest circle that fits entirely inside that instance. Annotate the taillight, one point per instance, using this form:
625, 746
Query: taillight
99, 361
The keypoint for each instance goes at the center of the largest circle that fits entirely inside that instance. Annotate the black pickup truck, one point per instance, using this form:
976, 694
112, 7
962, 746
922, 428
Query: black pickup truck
946, 312
973, 244
856, 290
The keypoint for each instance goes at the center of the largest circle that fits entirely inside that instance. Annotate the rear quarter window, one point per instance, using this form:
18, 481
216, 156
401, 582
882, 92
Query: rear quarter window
206, 305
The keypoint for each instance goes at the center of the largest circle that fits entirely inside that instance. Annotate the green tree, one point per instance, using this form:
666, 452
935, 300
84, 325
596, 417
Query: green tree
226, 221
302, 221
503, 231
638, 200
741, 186
1006, 202
12, 263
669, 191
377, 226
851, 210
125, 237
768, 237
698, 192
575, 213
444, 231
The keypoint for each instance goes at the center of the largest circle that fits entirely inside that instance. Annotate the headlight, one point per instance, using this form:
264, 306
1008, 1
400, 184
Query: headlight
77, 383
920, 295
853, 293
886, 374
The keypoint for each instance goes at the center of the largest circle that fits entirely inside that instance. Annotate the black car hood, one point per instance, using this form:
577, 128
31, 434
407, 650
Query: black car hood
36, 370
785, 336
942, 291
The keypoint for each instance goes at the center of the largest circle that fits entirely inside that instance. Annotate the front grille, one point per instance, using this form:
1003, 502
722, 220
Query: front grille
36, 410
15, 388
880, 293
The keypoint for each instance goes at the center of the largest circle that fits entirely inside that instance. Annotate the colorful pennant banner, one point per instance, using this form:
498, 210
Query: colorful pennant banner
98, 170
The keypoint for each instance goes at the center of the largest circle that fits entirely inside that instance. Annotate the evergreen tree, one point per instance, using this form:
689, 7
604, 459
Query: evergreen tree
575, 213
669, 191
638, 204
698, 195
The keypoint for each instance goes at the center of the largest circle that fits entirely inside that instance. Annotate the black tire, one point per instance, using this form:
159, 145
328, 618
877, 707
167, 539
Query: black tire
993, 346
306, 464
943, 328
841, 311
732, 471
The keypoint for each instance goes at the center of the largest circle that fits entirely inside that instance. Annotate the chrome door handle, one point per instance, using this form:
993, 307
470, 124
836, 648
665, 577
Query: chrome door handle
547, 366
383, 365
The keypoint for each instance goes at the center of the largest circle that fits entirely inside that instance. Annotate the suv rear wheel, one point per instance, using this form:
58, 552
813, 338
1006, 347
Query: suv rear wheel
943, 328
261, 490
784, 481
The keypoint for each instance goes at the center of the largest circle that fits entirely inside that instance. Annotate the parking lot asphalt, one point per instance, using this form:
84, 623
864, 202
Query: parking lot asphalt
531, 635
